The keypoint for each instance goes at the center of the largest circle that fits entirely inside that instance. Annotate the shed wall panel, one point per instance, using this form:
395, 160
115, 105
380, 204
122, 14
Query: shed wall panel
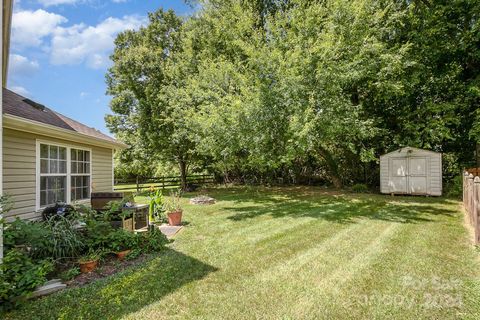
433, 170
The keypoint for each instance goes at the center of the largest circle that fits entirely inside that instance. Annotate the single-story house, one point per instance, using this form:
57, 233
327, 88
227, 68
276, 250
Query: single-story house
48, 157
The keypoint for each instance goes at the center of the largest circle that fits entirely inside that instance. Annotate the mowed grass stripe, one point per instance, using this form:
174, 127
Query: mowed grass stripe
290, 253
278, 287
327, 288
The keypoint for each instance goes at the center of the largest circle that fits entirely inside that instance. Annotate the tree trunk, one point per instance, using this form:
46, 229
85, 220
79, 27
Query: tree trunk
478, 154
183, 174
332, 167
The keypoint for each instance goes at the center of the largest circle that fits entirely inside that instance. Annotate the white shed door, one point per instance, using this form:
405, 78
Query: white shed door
417, 171
398, 178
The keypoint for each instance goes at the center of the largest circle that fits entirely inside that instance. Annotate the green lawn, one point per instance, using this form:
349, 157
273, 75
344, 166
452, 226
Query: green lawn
292, 253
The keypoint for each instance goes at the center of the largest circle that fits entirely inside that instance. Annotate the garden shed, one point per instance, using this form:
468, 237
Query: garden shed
411, 171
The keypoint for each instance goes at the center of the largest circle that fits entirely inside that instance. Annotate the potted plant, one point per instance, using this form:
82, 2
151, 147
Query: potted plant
121, 242
89, 261
174, 209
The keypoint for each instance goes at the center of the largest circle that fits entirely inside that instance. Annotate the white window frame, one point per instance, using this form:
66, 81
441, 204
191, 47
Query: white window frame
68, 185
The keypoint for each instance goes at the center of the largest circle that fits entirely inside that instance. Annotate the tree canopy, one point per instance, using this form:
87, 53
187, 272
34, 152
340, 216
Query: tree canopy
287, 90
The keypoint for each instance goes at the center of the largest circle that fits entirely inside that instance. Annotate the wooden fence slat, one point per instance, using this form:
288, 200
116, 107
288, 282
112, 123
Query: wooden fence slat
475, 208
471, 201
160, 182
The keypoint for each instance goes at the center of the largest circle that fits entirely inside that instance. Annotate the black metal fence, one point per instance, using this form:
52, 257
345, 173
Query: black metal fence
142, 183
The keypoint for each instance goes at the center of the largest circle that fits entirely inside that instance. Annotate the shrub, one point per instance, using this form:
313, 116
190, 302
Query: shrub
97, 233
69, 274
19, 276
153, 241
33, 236
360, 188
56, 238
120, 240
66, 242
454, 187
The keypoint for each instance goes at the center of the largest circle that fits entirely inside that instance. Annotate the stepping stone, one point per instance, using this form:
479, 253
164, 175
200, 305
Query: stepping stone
49, 287
202, 200
170, 231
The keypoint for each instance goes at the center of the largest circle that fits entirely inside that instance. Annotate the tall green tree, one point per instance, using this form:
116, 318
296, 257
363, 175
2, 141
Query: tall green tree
144, 81
263, 87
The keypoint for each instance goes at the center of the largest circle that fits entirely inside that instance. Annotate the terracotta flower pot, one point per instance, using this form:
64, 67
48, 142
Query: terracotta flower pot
122, 254
88, 266
175, 218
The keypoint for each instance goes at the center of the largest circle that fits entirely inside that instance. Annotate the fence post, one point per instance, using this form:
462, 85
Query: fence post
476, 208
465, 193
470, 197
138, 187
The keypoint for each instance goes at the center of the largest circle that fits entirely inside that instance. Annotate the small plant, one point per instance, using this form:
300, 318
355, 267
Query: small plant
156, 205
66, 242
96, 234
56, 238
135, 253
32, 237
89, 261
19, 276
70, 274
174, 209
91, 255
121, 240
114, 211
454, 188
360, 188
153, 241
173, 203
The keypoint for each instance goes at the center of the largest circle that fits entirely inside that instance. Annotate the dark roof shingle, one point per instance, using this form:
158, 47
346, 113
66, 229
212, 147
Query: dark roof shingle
16, 105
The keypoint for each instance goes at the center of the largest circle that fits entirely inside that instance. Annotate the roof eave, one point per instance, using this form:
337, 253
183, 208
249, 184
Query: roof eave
6, 27
31, 126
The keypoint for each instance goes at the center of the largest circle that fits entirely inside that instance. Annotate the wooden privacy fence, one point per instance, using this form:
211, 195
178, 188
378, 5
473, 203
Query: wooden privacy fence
141, 183
471, 199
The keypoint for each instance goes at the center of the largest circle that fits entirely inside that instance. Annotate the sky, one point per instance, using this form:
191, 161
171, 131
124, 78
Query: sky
59, 51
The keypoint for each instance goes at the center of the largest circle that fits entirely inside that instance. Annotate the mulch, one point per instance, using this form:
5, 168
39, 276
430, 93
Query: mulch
105, 268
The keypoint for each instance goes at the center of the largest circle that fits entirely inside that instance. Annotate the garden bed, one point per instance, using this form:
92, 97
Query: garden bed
109, 266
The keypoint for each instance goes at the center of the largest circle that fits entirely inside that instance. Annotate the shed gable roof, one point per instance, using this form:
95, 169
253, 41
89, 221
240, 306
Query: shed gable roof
408, 148
19, 106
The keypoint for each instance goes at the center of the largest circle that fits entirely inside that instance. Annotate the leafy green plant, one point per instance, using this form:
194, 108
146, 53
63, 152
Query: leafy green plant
173, 203
57, 238
33, 237
114, 211
120, 240
155, 208
135, 253
96, 234
65, 241
19, 276
454, 188
153, 241
360, 188
70, 274
6, 203
92, 255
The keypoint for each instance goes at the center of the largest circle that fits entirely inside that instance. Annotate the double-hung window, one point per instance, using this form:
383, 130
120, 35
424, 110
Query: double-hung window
80, 171
64, 174
53, 174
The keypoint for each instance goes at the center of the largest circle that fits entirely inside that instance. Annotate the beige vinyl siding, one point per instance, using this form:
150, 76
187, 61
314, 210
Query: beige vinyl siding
19, 170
